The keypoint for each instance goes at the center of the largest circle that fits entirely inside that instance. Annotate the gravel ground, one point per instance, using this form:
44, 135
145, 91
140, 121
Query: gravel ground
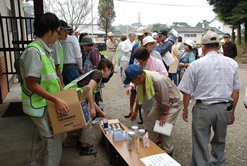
118, 104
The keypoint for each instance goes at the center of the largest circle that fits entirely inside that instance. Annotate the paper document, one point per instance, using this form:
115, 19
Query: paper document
166, 129
167, 58
159, 160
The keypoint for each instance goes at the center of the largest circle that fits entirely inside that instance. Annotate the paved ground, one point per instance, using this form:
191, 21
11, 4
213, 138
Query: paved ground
19, 141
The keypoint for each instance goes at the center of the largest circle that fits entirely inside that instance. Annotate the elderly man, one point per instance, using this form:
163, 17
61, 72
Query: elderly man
57, 50
142, 32
111, 46
127, 50
168, 100
213, 82
72, 67
164, 46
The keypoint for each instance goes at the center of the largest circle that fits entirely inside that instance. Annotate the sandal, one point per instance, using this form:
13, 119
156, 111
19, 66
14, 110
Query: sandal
88, 151
128, 115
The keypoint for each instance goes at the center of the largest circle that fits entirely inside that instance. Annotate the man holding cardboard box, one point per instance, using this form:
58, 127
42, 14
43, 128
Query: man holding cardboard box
39, 81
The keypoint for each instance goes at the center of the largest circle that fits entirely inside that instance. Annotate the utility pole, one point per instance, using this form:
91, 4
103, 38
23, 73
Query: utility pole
139, 19
92, 18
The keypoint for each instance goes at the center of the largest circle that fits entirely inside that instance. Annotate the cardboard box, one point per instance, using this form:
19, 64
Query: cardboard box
78, 115
72, 138
110, 122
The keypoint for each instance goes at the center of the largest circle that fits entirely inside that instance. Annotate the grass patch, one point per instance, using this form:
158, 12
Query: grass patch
106, 56
242, 54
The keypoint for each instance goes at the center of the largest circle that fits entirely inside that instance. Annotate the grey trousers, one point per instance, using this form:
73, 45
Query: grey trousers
112, 57
205, 117
86, 133
155, 114
51, 151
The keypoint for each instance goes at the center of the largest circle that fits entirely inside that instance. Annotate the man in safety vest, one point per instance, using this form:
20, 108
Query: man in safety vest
39, 81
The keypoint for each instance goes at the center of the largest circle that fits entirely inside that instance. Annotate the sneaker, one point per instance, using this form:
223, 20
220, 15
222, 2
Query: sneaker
88, 151
95, 121
124, 85
102, 105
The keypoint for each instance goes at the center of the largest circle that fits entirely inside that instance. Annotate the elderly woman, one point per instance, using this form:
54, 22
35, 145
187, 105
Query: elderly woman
187, 57
174, 66
149, 43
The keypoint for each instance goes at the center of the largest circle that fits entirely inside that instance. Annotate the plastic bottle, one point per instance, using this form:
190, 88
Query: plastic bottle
106, 127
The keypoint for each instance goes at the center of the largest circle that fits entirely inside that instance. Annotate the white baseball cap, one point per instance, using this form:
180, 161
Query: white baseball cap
148, 39
141, 31
190, 43
110, 34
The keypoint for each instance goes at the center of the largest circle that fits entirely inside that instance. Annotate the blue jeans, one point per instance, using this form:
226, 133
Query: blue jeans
69, 74
173, 76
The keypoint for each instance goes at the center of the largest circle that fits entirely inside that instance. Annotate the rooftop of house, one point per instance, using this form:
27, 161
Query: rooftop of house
219, 32
188, 29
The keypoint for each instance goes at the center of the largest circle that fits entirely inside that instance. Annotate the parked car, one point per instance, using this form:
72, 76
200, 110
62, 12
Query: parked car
100, 45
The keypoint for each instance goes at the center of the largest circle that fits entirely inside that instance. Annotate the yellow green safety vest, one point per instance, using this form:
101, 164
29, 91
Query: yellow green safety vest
33, 104
73, 84
61, 56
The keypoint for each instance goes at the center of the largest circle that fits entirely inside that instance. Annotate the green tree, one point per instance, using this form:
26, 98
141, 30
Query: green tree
240, 15
180, 24
158, 26
106, 15
199, 25
205, 24
225, 12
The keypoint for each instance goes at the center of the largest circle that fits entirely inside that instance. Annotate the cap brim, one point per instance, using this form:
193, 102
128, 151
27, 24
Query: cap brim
126, 81
67, 27
83, 44
139, 34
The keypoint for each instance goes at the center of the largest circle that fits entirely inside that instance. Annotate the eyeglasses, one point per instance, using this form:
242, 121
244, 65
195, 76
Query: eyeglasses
58, 32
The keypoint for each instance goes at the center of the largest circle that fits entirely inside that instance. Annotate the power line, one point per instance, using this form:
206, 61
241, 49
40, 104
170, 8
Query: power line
163, 4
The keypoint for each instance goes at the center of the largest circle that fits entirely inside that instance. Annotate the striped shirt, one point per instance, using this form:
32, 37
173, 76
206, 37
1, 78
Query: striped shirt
211, 79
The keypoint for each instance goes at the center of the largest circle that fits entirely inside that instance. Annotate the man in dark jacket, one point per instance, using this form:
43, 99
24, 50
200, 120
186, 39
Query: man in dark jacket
229, 48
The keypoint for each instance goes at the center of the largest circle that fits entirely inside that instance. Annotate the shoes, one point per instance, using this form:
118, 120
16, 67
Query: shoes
95, 121
140, 122
158, 143
114, 72
124, 85
170, 154
128, 115
79, 144
88, 151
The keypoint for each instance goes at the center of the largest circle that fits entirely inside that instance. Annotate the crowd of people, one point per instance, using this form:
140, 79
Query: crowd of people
157, 90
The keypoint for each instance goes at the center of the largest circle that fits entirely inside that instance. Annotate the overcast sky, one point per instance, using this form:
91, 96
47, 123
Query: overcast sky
161, 11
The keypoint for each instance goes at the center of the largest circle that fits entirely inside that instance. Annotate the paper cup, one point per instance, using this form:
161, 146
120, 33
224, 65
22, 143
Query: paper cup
135, 129
141, 133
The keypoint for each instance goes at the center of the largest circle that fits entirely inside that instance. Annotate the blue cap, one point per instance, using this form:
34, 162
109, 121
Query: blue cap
172, 38
131, 72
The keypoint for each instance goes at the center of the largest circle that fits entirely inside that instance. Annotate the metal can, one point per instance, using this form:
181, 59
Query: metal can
130, 139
